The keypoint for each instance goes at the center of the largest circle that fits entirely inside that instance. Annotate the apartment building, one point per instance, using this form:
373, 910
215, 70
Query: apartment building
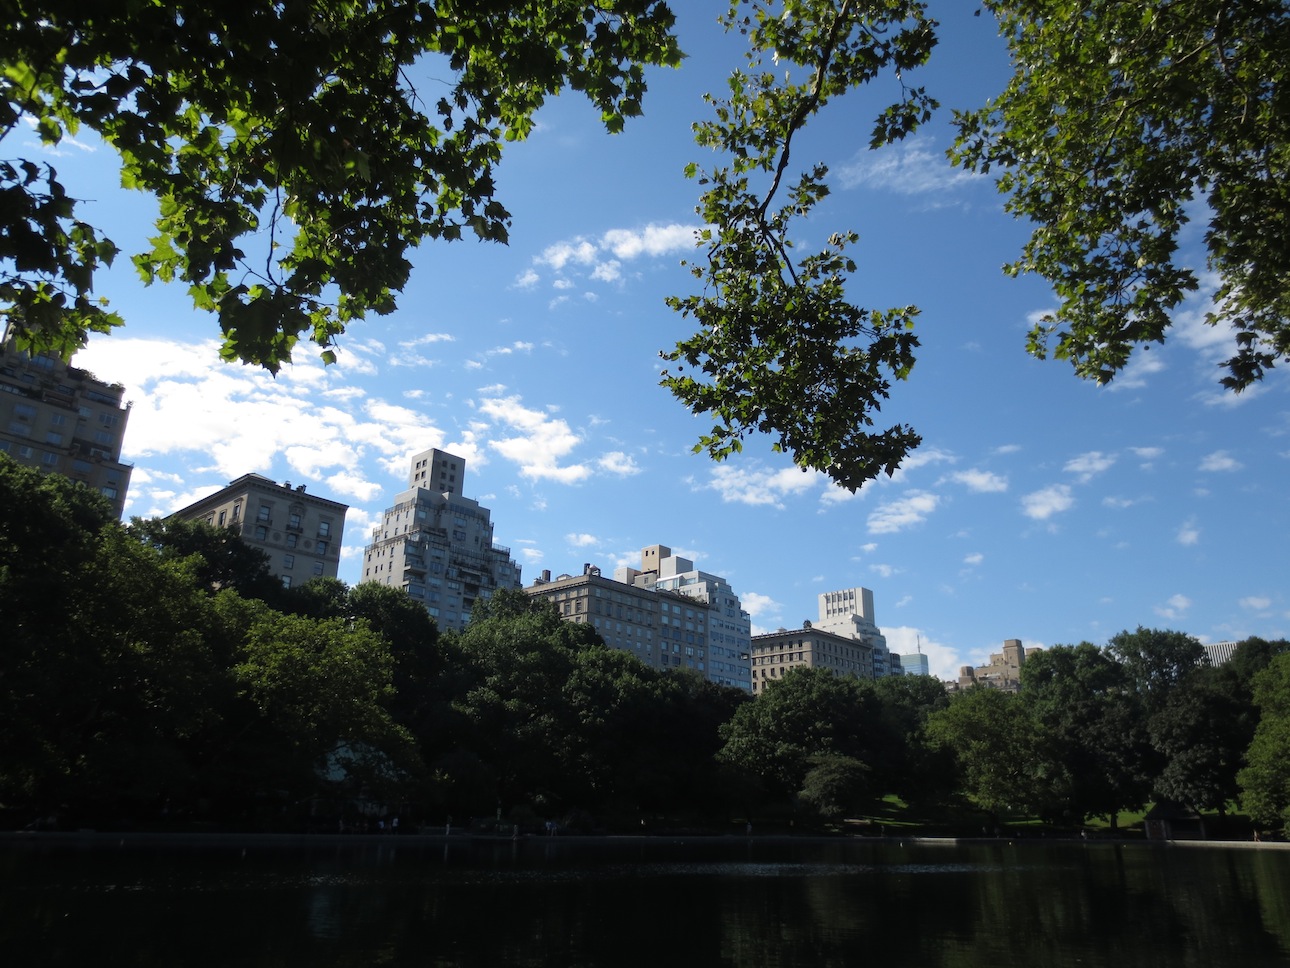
849, 612
63, 420
777, 653
664, 630
437, 544
300, 532
729, 626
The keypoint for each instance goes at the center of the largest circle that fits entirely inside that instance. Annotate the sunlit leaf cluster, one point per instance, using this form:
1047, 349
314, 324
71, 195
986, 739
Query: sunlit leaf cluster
781, 347
1122, 123
298, 150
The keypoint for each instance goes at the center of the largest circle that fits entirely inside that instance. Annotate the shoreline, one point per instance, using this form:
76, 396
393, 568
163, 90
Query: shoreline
127, 839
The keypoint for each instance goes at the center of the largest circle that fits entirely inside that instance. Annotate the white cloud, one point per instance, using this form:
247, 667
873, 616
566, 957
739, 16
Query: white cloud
1089, 465
910, 167
578, 251
903, 513
1188, 533
1007, 449
1220, 460
1148, 453
526, 279
1044, 503
541, 442
427, 339
653, 240
886, 571
610, 271
1174, 608
974, 559
981, 482
764, 610
582, 540
1256, 602
616, 462
757, 486
1134, 375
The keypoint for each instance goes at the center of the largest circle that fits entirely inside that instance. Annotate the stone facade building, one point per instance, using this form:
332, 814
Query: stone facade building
664, 630
64, 420
729, 626
300, 532
776, 653
1003, 670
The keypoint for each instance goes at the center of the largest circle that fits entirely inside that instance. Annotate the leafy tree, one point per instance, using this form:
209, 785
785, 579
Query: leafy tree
781, 349
105, 673
1265, 780
295, 161
807, 712
1121, 123
835, 785
1203, 730
1085, 698
913, 770
1156, 661
317, 691
219, 556
1003, 755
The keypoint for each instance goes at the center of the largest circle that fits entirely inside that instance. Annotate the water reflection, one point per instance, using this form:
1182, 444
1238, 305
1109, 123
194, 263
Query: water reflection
642, 902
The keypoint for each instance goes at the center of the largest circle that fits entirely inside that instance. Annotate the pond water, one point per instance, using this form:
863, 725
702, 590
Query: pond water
638, 901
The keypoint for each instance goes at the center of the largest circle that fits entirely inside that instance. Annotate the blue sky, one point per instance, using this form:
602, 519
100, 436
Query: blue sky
1039, 507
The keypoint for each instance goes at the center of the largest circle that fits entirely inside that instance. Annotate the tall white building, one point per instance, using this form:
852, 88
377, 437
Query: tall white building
849, 612
437, 544
729, 626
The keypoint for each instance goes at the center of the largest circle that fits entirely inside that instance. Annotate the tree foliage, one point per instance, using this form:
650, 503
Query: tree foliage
294, 157
781, 348
1265, 780
1085, 698
1121, 124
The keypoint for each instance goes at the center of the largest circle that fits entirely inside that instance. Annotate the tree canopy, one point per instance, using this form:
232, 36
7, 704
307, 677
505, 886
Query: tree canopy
297, 164
295, 160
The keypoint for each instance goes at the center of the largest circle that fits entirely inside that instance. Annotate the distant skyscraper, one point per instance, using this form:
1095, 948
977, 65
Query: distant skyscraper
300, 532
914, 664
849, 612
437, 544
64, 420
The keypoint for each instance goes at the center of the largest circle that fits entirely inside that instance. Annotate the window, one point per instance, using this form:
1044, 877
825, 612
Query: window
286, 581
261, 532
57, 420
53, 437
324, 529
102, 437
318, 567
50, 460
223, 518
25, 452
263, 515
321, 547
288, 561
291, 540
294, 521
109, 491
